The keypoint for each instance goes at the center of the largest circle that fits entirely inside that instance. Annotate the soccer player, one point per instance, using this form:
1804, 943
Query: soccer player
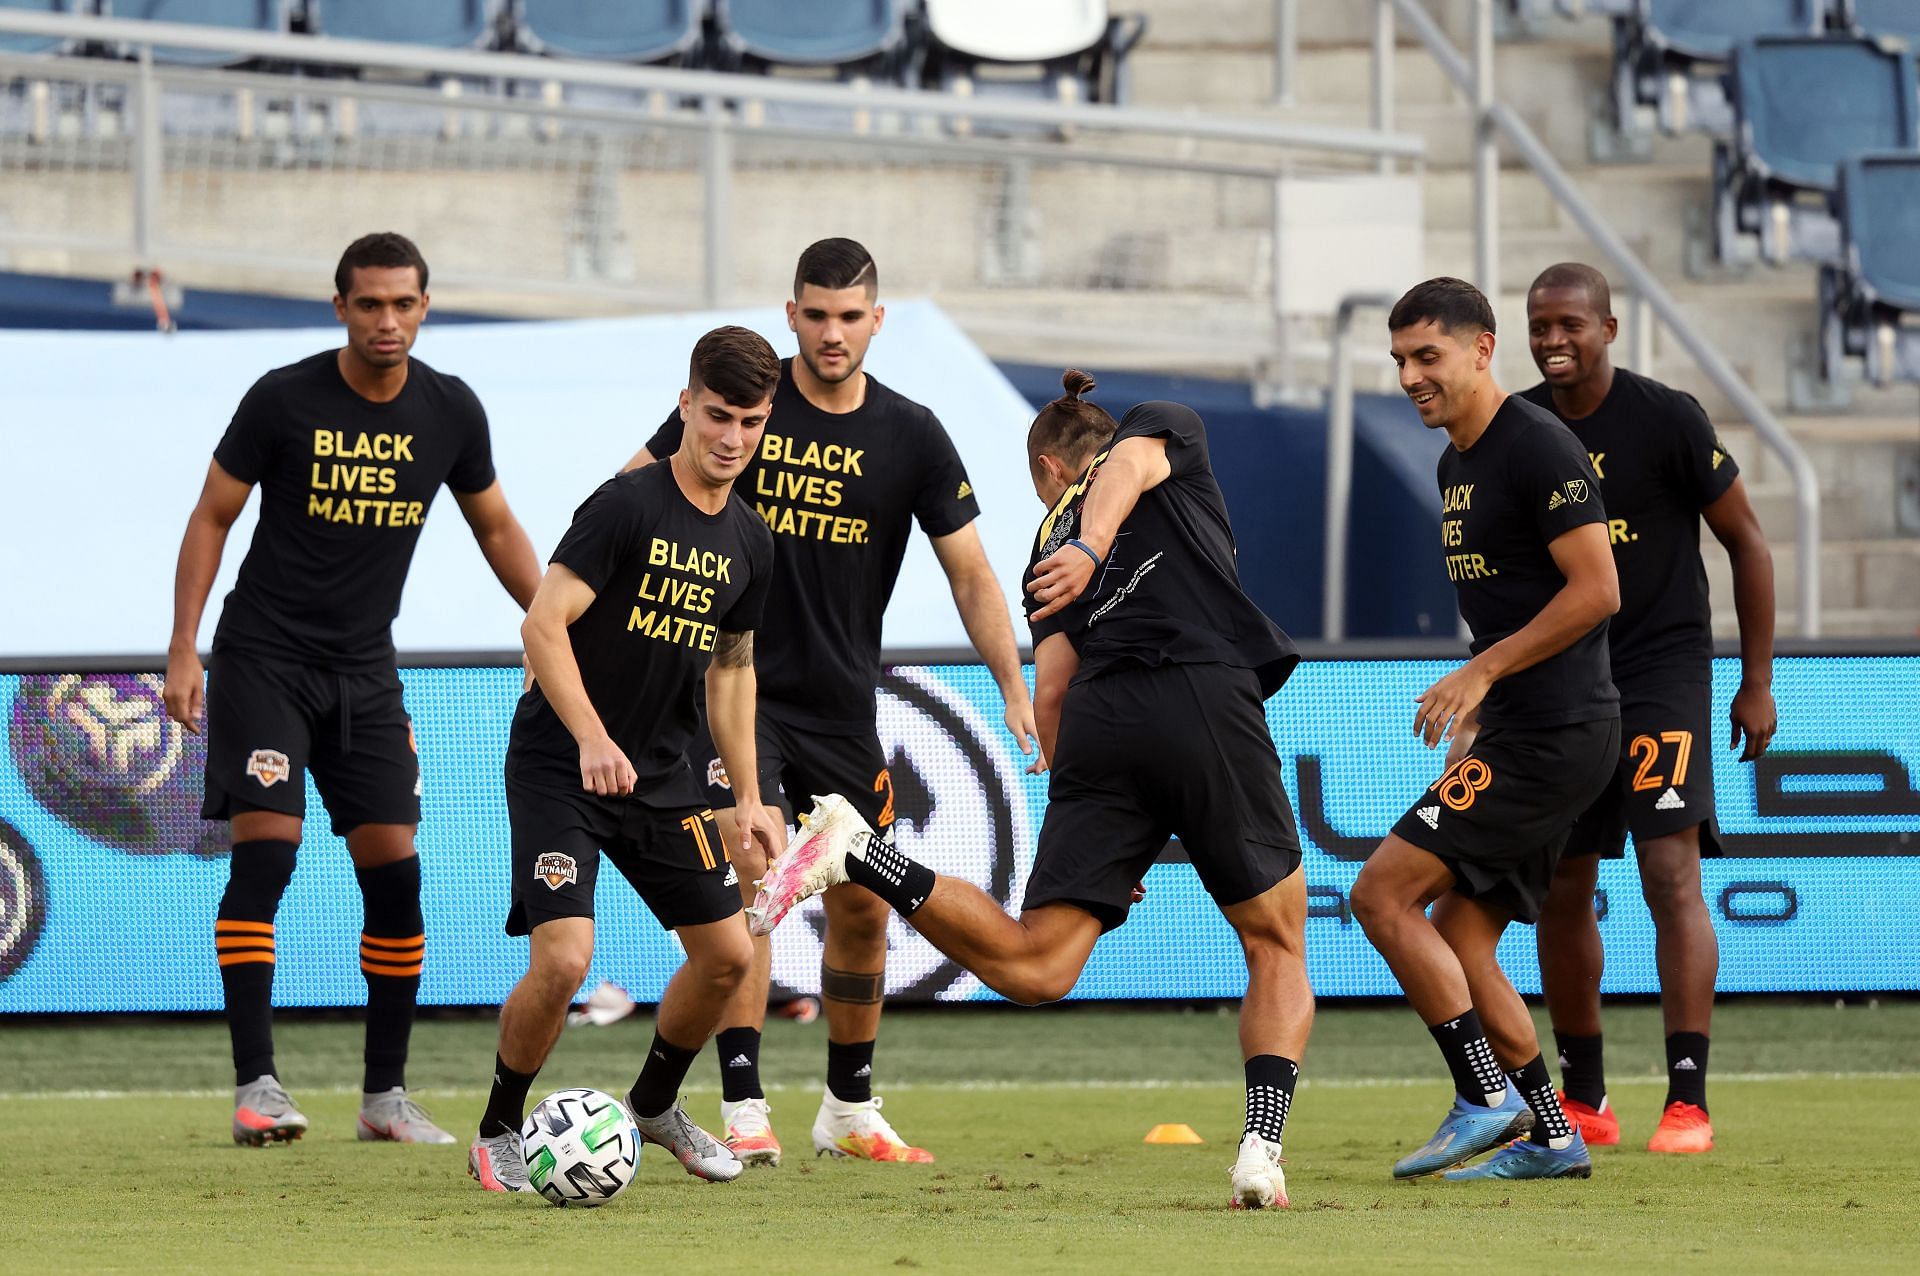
1151, 669
1525, 542
1661, 470
844, 472
348, 448
664, 574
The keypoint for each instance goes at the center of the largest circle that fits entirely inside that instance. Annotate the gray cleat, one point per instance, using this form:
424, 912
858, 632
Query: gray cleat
704, 1156
263, 1114
498, 1163
392, 1116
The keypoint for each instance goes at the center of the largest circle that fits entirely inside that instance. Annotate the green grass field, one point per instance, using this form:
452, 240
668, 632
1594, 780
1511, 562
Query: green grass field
117, 1156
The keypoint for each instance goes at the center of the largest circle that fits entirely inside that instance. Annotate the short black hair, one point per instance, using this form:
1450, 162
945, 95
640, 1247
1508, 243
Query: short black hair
1451, 303
737, 364
383, 249
834, 264
1574, 274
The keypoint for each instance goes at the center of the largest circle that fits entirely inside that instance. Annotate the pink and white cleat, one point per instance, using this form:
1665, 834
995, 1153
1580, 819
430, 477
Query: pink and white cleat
811, 863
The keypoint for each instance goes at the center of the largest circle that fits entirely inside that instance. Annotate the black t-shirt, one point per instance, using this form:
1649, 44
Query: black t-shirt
1523, 483
344, 488
1169, 590
668, 579
839, 492
1659, 464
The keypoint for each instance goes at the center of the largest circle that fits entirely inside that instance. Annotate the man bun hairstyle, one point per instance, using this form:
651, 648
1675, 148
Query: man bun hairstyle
735, 363
834, 264
1069, 428
1576, 274
1452, 303
382, 250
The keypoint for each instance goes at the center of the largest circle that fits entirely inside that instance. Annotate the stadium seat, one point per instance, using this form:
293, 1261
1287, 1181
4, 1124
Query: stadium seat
1870, 301
40, 43
1669, 54
1802, 106
241, 15
1071, 50
637, 31
856, 37
442, 24
1900, 18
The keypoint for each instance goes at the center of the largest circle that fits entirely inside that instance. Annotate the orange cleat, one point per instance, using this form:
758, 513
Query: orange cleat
859, 1132
1683, 1128
1600, 1127
749, 1134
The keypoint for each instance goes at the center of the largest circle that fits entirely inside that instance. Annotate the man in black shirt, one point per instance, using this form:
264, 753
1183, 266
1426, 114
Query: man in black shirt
845, 470
1662, 470
1151, 667
349, 448
663, 575
1524, 538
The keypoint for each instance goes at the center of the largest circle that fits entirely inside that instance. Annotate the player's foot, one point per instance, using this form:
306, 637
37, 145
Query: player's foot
498, 1164
263, 1114
858, 1130
704, 1156
1523, 1160
1465, 1132
1258, 1180
1683, 1128
392, 1116
812, 862
1600, 1126
749, 1136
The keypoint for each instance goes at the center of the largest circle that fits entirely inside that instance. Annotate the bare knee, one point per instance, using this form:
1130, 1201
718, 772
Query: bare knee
560, 968
1670, 877
857, 918
723, 965
1372, 906
1034, 985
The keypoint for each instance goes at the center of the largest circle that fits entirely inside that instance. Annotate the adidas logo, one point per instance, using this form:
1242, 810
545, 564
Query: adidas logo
1687, 1064
866, 1069
1555, 501
1670, 801
1431, 814
966, 490
739, 1061
733, 876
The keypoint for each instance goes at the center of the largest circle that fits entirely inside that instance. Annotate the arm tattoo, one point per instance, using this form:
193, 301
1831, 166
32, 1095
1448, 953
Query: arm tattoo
734, 651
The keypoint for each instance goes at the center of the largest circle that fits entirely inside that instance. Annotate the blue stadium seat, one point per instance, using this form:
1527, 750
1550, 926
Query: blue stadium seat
634, 31
1900, 18
860, 37
1073, 49
240, 15
40, 43
442, 24
1802, 107
1668, 55
1870, 302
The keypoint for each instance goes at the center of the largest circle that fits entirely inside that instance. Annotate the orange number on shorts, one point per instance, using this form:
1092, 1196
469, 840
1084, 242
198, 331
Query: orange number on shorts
693, 824
1462, 782
1643, 777
883, 783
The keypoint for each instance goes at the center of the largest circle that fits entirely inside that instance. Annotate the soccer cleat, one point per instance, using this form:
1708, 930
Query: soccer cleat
498, 1164
1523, 1160
1683, 1128
1465, 1132
1258, 1180
263, 1114
811, 863
704, 1156
1600, 1126
857, 1130
749, 1136
392, 1116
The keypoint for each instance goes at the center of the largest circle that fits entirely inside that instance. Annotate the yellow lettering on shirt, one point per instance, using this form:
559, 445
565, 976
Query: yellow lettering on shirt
1599, 463
1468, 567
1617, 533
1455, 499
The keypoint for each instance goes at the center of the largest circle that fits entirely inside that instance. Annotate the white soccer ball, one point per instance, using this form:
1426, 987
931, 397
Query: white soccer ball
581, 1147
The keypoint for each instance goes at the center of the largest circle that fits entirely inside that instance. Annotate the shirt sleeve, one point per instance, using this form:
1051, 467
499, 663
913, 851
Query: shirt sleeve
666, 440
246, 450
601, 532
745, 614
473, 469
1557, 479
1705, 468
1179, 425
944, 501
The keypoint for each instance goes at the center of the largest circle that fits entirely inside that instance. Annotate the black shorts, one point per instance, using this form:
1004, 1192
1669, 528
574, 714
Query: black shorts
1499, 817
675, 857
269, 723
1146, 754
796, 765
1664, 782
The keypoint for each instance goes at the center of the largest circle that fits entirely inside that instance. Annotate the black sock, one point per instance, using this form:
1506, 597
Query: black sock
1550, 1125
850, 1071
1270, 1082
1687, 1069
243, 941
658, 1085
393, 943
507, 1102
1476, 1073
904, 884
739, 1064
1581, 1073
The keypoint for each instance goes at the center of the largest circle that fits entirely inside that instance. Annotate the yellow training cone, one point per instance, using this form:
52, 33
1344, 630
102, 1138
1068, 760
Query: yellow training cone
1179, 1133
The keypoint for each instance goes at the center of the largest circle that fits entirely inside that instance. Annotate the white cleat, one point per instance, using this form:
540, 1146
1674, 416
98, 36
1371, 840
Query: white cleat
749, 1132
1258, 1180
263, 1114
392, 1116
704, 1156
498, 1164
858, 1131
812, 862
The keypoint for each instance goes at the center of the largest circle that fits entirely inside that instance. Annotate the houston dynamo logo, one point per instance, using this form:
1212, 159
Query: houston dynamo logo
99, 751
23, 900
957, 809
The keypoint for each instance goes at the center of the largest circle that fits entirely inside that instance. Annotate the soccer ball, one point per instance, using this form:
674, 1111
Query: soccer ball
581, 1148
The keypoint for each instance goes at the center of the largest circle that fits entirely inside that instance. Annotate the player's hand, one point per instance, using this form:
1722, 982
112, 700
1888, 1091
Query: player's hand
185, 689
1039, 764
754, 826
1451, 703
1462, 742
1020, 723
1753, 716
1139, 891
1059, 579
604, 769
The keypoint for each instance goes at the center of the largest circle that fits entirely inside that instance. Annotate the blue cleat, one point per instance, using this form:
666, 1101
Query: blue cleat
1523, 1160
1468, 1130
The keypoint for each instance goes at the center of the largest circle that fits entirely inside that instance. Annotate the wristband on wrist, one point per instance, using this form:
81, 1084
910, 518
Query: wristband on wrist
1086, 549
